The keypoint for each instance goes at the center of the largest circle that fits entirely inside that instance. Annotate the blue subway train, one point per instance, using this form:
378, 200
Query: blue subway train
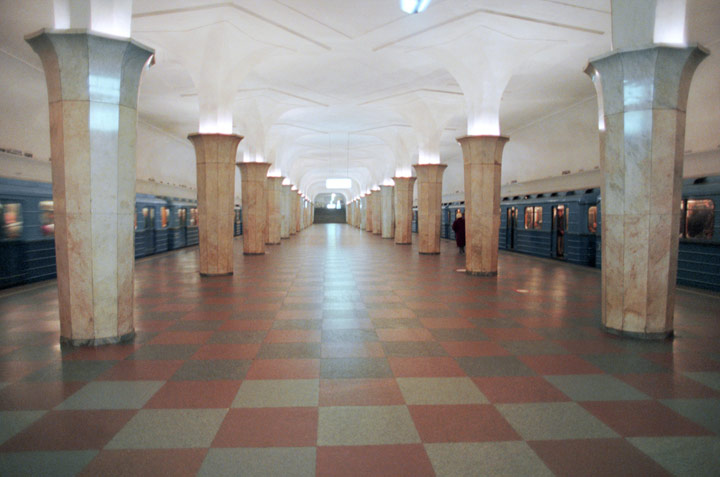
566, 226
27, 243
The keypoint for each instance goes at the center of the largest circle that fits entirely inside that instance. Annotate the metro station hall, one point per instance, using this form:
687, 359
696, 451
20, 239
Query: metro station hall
359, 238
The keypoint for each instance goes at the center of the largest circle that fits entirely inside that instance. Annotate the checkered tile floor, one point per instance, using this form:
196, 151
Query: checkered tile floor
339, 353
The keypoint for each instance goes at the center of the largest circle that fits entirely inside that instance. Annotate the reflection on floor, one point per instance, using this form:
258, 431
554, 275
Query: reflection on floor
339, 353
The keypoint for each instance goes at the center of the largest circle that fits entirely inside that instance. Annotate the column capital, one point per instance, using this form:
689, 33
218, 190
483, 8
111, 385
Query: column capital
482, 149
215, 148
386, 187
657, 77
402, 181
253, 171
430, 172
275, 181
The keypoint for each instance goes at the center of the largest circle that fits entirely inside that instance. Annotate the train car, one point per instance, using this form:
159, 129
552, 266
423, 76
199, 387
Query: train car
27, 232
182, 223
559, 225
147, 212
238, 221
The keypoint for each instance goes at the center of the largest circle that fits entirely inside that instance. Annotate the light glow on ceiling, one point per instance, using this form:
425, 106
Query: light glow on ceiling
337, 183
414, 6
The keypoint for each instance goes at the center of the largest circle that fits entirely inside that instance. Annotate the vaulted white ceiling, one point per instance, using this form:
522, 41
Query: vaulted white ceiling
339, 87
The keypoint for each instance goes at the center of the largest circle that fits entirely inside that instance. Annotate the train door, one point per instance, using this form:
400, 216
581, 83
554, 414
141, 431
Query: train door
149, 215
510, 228
559, 227
182, 226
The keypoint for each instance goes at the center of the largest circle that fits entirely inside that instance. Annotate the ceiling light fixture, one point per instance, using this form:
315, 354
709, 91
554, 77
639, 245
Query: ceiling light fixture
414, 6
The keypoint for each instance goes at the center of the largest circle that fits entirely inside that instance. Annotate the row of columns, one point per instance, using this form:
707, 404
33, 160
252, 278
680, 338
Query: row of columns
643, 97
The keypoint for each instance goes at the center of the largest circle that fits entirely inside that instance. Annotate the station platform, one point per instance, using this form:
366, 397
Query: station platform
340, 353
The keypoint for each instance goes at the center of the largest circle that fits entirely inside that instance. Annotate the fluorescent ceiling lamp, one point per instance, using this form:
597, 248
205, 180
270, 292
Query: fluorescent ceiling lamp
414, 6
338, 183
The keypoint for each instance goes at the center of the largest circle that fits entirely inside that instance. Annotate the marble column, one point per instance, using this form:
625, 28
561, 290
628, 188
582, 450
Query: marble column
369, 211
298, 212
274, 198
643, 98
215, 157
254, 206
403, 209
363, 213
285, 210
377, 213
92, 142
482, 156
429, 206
292, 209
387, 196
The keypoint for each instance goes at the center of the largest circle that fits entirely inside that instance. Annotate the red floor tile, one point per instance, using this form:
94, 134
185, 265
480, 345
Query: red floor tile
153, 462
194, 395
425, 367
377, 461
352, 350
293, 336
589, 346
615, 457
461, 423
474, 348
643, 419
69, 430
298, 315
207, 316
153, 325
391, 313
246, 325
669, 386
174, 307
25, 396
360, 392
225, 300
182, 337
228, 351
284, 369
512, 334
559, 364
16, 370
408, 334
446, 323
269, 427
426, 305
138, 370
519, 389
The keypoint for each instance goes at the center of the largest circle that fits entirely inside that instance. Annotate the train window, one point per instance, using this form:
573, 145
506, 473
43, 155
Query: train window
592, 219
528, 218
163, 217
538, 218
194, 217
47, 217
11, 220
182, 217
681, 232
699, 219
146, 214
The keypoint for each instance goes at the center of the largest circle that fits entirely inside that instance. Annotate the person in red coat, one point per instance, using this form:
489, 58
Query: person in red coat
459, 228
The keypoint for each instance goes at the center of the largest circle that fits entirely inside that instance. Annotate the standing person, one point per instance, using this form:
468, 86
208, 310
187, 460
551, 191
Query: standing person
459, 228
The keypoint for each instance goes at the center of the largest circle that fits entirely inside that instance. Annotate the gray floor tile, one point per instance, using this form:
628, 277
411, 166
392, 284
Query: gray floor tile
297, 324
595, 387
366, 425
289, 350
440, 391
169, 429
278, 393
272, 462
495, 323
12, 422
33, 353
396, 323
494, 366
112, 395
683, 456
568, 333
211, 370
556, 420
337, 368
69, 371
50, 464
485, 458
705, 412
412, 349
710, 379
196, 325
458, 334
171, 351
533, 348
623, 363
348, 336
